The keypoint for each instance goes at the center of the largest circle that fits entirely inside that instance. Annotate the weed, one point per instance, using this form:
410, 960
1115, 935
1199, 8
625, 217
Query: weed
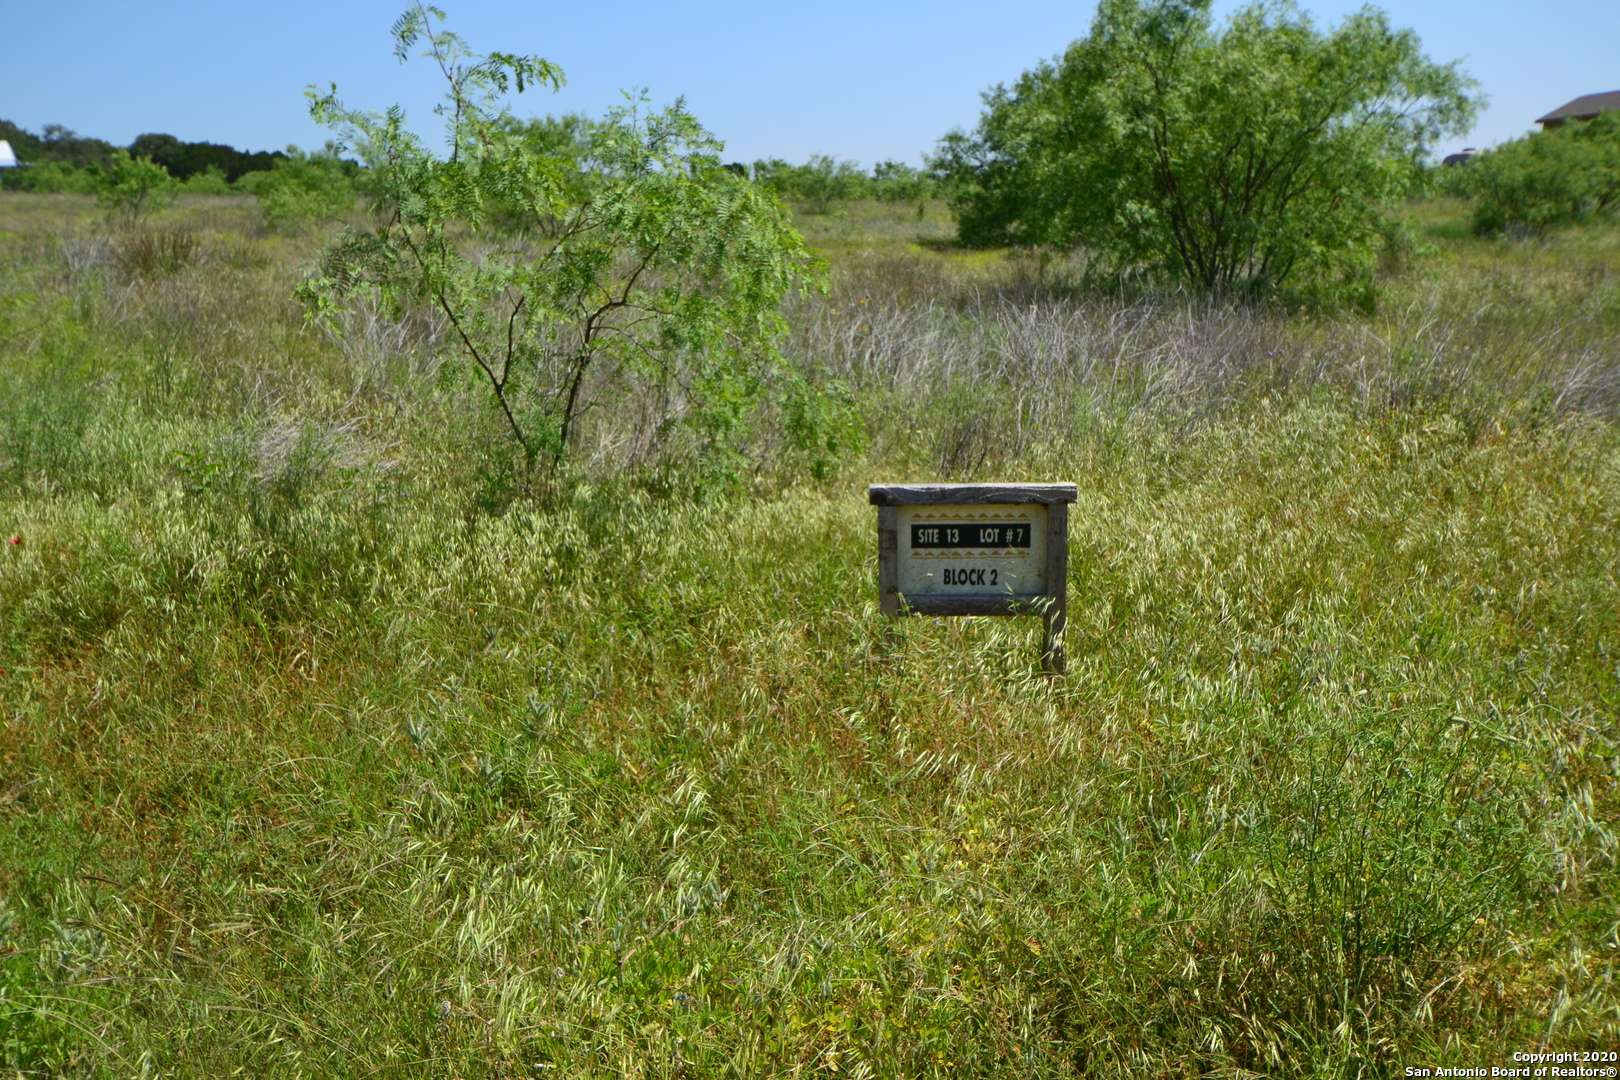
326, 747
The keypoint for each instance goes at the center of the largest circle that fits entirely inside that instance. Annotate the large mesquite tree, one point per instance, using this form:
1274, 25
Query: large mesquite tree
632, 263
1232, 157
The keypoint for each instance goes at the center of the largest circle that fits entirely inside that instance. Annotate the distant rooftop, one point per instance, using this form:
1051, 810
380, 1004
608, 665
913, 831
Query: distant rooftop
1585, 107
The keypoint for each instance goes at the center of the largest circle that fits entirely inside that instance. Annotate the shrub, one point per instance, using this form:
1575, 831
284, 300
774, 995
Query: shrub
895, 181
52, 178
1452, 181
303, 190
1237, 158
1563, 176
133, 187
252, 183
209, 181
816, 184
661, 284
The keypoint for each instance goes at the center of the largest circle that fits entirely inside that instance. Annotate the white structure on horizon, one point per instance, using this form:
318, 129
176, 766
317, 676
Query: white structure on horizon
8, 160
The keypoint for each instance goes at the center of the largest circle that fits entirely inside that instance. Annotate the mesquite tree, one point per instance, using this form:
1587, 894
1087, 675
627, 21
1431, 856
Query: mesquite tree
133, 187
632, 263
1228, 158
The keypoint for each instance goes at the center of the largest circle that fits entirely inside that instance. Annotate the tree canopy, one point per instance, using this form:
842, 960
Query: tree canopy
1229, 157
578, 264
58, 145
1557, 177
186, 159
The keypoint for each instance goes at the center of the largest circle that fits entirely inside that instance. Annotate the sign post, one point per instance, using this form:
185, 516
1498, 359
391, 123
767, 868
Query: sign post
976, 549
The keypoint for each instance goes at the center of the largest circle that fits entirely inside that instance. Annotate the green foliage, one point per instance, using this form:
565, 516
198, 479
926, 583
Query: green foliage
1563, 176
565, 141
821, 426
562, 145
816, 184
253, 183
895, 181
185, 160
57, 148
629, 266
1237, 158
209, 181
310, 764
53, 178
822, 181
132, 187
58, 145
1454, 181
303, 190
37, 1033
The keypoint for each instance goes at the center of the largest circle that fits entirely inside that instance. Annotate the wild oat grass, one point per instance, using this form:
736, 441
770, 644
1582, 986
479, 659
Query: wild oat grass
320, 752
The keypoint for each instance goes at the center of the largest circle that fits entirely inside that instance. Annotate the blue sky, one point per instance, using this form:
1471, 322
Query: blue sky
863, 81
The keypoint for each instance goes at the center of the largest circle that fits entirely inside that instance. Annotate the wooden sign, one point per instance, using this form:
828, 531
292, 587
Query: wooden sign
976, 549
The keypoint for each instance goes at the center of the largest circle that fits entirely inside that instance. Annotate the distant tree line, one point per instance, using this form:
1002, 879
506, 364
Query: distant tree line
815, 185
184, 160
56, 144
60, 159
823, 180
295, 189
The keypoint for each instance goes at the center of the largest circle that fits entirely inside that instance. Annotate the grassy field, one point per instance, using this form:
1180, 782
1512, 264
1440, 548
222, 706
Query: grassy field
321, 752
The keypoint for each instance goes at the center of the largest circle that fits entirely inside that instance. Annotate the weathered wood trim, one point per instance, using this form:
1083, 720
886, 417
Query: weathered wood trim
1052, 605
1057, 584
973, 605
918, 494
889, 560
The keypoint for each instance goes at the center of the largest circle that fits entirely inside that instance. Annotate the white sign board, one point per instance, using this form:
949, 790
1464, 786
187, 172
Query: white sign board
962, 549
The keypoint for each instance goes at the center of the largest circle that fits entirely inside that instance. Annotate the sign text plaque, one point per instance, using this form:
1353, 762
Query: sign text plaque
975, 549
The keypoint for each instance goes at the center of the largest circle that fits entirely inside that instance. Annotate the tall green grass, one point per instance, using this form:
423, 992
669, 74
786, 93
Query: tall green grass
321, 752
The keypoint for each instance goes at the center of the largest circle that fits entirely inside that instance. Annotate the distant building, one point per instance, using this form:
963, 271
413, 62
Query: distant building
1582, 108
1461, 157
8, 160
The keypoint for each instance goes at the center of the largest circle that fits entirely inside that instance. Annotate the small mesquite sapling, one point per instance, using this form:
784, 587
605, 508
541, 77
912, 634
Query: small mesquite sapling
132, 187
636, 261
